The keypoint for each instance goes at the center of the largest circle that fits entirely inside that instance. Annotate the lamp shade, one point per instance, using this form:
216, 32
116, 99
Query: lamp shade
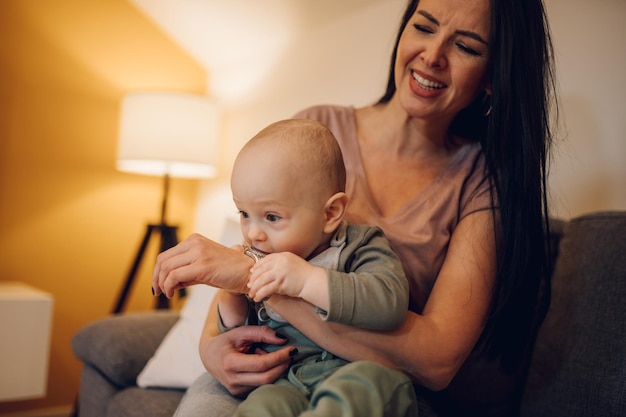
168, 134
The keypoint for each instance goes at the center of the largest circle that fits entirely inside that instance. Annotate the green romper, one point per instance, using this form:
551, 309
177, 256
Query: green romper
363, 268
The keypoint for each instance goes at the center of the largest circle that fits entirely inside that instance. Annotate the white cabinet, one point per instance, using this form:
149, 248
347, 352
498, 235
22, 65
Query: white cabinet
25, 322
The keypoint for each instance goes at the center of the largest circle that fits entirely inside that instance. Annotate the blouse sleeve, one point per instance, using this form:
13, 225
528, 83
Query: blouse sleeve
373, 291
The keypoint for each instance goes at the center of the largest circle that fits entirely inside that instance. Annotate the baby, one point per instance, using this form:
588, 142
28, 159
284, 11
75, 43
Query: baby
288, 183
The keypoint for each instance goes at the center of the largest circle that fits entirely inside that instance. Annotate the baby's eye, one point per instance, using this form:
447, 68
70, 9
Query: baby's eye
243, 214
272, 217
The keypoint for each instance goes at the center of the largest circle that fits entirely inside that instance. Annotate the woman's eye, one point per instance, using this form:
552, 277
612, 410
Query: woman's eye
243, 214
468, 50
421, 28
272, 218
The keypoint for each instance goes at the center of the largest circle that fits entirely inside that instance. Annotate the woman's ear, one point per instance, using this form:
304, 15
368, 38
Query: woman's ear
334, 210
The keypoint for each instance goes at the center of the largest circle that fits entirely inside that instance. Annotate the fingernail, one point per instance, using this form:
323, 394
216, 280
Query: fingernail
281, 336
293, 352
152, 290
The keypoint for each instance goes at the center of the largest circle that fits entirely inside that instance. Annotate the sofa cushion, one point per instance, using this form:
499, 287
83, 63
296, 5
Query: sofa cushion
579, 362
141, 402
93, 402
119, 346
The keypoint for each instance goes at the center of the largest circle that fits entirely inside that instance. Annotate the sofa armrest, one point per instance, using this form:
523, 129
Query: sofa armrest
120, 346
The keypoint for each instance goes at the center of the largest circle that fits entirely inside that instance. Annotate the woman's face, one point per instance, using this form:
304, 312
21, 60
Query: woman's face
442, 56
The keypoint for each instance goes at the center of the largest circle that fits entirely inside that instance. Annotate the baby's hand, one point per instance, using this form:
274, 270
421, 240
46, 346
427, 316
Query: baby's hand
278, 273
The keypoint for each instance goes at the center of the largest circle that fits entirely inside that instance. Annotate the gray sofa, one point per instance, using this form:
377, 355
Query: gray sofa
578, 366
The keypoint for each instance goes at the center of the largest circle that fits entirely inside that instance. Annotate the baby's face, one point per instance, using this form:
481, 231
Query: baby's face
277, 212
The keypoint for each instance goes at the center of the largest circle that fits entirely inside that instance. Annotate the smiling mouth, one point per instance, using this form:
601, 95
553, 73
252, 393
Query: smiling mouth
427, 84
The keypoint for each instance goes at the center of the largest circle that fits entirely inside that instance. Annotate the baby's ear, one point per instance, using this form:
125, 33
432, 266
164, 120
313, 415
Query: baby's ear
334, 210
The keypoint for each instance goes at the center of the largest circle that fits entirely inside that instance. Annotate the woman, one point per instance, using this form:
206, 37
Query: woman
451, 164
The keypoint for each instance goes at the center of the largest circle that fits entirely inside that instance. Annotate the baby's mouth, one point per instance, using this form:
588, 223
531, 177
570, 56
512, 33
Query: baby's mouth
258, 252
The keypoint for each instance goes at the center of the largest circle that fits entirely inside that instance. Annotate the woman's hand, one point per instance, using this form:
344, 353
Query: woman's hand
226, 357
198, 260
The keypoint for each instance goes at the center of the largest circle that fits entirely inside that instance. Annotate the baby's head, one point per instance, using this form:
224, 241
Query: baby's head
288, 184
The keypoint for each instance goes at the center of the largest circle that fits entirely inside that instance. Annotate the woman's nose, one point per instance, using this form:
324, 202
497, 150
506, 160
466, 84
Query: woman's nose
434, 54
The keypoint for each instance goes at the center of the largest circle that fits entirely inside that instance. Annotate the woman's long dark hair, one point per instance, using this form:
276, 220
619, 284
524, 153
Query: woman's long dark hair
515, 139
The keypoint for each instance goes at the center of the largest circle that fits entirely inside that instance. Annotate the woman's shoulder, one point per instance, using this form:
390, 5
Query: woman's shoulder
469, 176
468, 159
326, 113
339, 119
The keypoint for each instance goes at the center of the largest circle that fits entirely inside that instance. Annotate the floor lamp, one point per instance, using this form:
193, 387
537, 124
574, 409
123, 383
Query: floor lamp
168, 135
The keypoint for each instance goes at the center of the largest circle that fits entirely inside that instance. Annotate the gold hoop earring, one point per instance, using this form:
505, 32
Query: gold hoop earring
485, 98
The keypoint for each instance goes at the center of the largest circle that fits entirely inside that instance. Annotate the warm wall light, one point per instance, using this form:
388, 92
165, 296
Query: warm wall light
169, 135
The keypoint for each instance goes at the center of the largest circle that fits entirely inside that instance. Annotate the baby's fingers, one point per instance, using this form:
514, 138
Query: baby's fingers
260, 294
253, 287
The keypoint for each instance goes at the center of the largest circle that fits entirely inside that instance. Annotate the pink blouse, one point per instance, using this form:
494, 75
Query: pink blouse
420, 232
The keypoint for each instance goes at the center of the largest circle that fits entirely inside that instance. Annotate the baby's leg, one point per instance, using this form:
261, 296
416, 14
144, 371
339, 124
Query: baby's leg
272, 400
364, 389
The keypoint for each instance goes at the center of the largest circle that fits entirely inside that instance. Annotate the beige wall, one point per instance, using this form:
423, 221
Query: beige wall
69, 222
589, 169
344, 61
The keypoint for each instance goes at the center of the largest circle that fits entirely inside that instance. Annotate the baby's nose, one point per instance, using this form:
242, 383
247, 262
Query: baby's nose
256, 233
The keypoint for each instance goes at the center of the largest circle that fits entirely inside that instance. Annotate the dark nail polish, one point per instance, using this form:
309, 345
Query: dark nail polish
293, 352
281, 336
152, 290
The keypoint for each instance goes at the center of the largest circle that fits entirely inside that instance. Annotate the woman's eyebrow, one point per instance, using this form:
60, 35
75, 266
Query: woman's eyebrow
428, 16
472, 35
467, 33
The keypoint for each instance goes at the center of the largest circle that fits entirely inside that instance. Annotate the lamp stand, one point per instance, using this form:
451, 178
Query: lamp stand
169, 239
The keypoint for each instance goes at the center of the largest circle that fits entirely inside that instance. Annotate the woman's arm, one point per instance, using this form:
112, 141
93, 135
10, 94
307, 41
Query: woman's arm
198, 260
431, 346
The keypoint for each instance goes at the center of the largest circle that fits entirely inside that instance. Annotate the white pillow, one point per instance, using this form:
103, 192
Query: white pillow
176, 362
